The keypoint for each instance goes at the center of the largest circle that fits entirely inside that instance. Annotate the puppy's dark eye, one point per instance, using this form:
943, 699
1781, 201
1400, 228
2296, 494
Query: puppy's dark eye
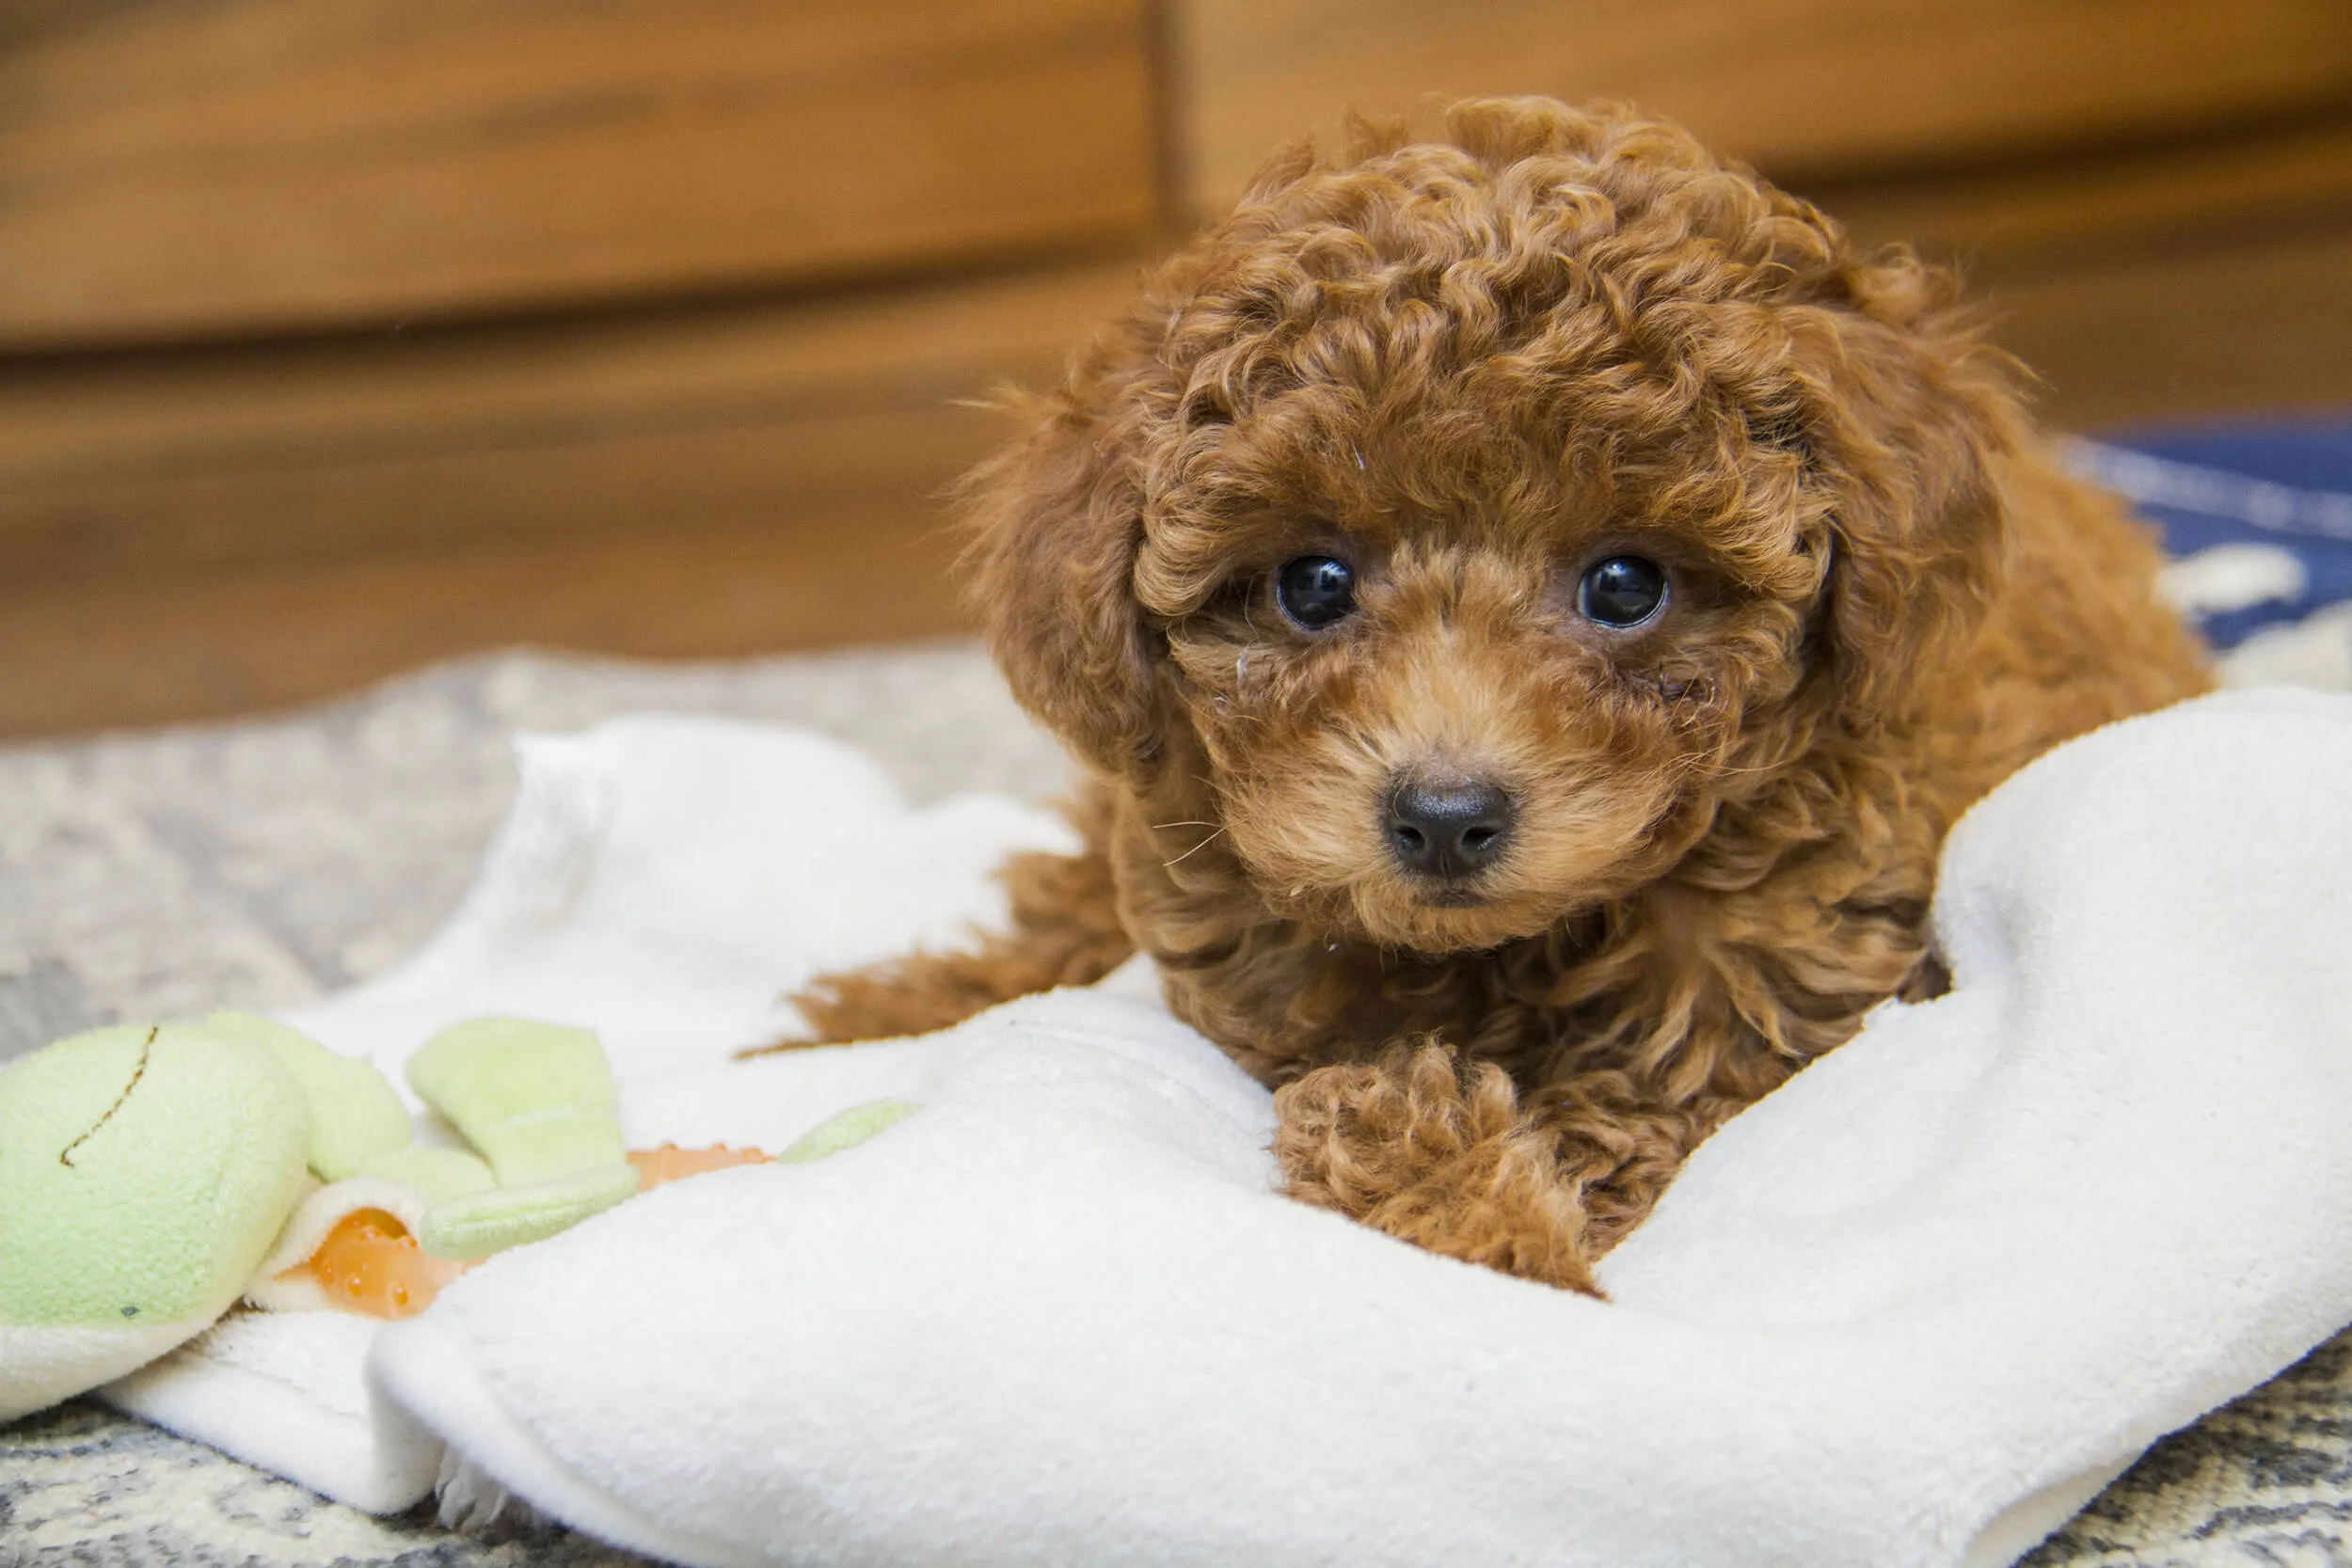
1622, 591
1315, 590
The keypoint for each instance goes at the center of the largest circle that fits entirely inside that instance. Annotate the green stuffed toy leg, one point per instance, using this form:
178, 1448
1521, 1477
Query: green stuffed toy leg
536, 1099
846, 1130
355, 1116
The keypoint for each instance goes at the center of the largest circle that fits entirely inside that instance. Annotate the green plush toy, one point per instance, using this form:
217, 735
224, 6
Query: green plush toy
143, 1171
537, 1101
152, 1174
356, 1118
846, 1130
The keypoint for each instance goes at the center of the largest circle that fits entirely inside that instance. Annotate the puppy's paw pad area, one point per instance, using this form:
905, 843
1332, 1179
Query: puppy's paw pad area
1354, 1134
1420, 1149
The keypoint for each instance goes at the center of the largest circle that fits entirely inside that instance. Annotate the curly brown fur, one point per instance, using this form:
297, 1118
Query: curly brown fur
1471, 369
1434, 1150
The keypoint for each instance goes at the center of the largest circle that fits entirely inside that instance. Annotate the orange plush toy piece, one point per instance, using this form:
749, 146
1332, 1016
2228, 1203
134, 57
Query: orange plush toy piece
672, 1163
369, 1264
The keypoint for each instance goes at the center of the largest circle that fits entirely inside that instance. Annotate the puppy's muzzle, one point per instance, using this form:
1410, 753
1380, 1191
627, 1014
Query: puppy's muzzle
1447, 831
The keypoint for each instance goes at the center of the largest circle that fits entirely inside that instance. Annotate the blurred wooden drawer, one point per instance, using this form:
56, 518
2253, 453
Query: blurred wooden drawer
2202, 279
249, 166
187, 535
1806, 88
789, 413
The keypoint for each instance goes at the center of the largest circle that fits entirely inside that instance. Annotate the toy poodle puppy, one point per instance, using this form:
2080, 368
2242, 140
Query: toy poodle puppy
1530, 606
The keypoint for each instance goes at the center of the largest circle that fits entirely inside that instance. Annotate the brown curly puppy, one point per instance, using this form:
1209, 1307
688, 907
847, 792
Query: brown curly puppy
1532, 606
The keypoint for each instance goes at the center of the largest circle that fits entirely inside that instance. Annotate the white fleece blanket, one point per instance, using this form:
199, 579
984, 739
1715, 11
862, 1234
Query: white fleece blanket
1913, 1308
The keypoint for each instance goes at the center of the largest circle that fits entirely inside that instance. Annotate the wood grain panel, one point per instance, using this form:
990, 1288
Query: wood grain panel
2036, 218
2200, 280
200, 533
2200, 332
144, 463
273, 165
1805, 87
153, 648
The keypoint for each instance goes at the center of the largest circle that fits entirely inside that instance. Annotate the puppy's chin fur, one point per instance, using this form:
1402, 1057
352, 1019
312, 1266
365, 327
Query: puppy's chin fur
1372, 901
1431, 921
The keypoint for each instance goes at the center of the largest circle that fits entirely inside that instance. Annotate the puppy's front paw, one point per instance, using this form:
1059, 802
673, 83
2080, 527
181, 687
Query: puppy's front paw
1352, 1137
1413, 1147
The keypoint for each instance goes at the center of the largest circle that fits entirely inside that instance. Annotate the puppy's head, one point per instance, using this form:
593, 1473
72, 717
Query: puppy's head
1476, 517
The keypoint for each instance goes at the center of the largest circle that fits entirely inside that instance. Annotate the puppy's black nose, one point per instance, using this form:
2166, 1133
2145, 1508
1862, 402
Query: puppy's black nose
1450, 831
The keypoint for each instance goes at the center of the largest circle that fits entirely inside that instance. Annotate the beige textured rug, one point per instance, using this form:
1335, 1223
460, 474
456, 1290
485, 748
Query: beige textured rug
260, 863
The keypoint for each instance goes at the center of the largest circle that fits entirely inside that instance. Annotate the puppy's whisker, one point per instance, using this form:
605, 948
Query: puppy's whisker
1158, 826
1195, 850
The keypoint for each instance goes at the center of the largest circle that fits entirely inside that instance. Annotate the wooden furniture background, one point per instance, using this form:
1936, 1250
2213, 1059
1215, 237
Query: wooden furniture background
338, 334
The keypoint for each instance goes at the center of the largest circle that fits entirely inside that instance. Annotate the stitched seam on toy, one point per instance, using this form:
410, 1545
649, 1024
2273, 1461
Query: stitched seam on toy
65, 1155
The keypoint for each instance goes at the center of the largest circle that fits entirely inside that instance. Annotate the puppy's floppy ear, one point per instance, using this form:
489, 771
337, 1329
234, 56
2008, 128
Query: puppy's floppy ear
1055, 519
1909, 421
